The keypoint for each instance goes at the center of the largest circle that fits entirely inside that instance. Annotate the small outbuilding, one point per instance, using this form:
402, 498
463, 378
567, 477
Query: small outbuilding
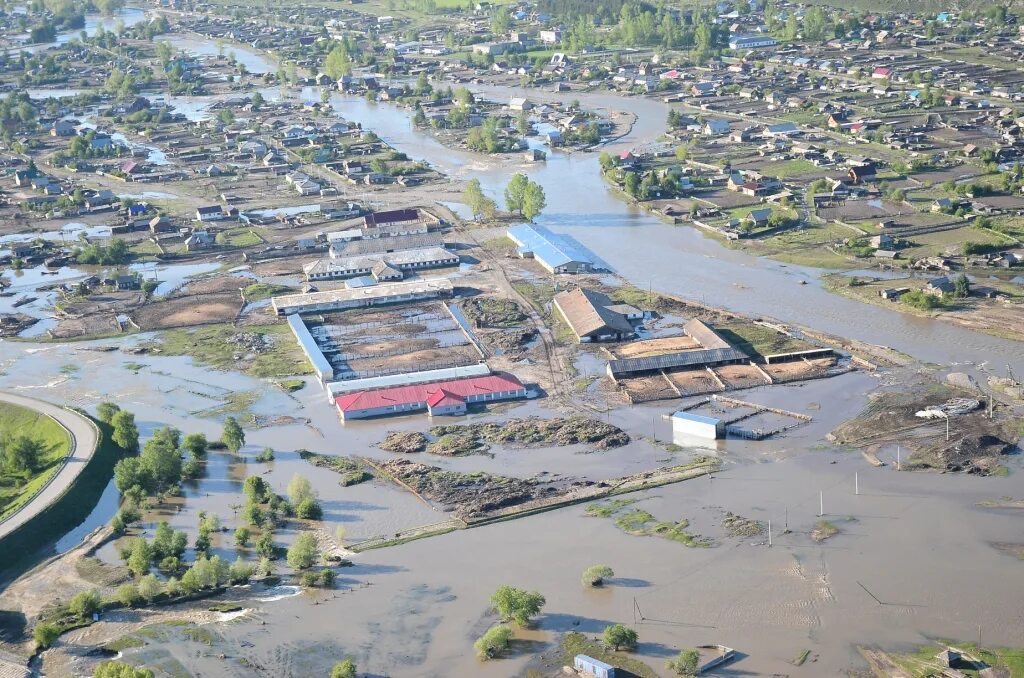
589, 666
697, 425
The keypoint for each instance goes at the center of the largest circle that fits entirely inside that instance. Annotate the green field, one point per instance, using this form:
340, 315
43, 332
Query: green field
16, 489
239, 237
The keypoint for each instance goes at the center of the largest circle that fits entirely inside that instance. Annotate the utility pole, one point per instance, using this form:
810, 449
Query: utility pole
947, 428
856, 484
898, 458
821, 503
769, 533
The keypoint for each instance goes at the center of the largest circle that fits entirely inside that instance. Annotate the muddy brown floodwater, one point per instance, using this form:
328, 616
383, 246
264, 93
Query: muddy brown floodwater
917, 542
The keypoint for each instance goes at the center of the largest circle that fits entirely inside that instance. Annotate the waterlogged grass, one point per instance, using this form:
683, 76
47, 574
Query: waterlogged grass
235, 403
823, 529
640, 523
539, 295
124, 643
17, 489
217, 346
261, 291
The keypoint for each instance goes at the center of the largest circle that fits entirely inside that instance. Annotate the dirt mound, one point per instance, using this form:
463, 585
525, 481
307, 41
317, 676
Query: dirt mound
404, 442
468, 494
973, 452
535, 432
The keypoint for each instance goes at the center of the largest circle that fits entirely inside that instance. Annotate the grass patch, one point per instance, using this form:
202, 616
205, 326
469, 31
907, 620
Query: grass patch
538, 295
758, 339
261, 291
640, 523
225, 607
235, 403
922, 662
239, 237
493, 312
21, 548
16, 489
801, 658
95, 571
823, 530
292, 385
218, 346
576, 643
353, 471
200, 635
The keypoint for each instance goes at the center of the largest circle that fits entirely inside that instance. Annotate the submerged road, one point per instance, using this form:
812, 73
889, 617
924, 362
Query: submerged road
84, 439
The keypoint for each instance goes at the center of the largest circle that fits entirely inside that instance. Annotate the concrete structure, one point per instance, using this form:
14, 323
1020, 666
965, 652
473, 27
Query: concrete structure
377, 295
307, 343
556, 253
350, 248
686, 423
593, 316
399, 262
588, 666
437, 398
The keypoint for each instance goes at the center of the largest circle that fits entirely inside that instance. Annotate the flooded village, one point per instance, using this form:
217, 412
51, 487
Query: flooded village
510, 339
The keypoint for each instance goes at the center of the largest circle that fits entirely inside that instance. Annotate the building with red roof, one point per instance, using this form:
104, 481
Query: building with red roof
437, 398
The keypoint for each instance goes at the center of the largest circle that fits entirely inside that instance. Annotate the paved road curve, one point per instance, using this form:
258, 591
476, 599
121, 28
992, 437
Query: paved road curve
83, 446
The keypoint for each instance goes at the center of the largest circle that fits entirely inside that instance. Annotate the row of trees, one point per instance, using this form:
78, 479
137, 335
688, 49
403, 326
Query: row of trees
522, 196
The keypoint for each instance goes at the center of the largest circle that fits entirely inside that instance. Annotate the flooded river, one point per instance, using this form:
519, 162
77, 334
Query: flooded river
678, 259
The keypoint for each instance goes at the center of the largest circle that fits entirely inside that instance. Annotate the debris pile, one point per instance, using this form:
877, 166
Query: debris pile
951, 408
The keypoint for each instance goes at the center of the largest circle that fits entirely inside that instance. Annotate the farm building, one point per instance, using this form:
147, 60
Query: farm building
316, 358
411, 218
353, 247
557, 253
437, 398
370, 264
340, 388
686, 423
593, 316
714, 352
588, 666
376, 295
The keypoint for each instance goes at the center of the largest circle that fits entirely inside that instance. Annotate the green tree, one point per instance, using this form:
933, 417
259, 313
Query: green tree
256, 489
515, 192
685, 663
233, 436
128, 595
242, 536
517, 605
45, 634
338, 62
195, 444
596, 574
299, 489
265, 544
617, 635
346, 668
140, 556
309, 509
149, 587
126, 433
21, 453
85, 604
302, 553
105, 411
478, 203
962, 286
494, 642
534, 200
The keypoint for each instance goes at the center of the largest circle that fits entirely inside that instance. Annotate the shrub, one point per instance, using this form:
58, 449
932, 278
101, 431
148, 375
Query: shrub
302, 553
45, 634
85, 604
309, 508
494, 642
596, 574
617, 635
242, 536
517, 605
685, 663
344, 669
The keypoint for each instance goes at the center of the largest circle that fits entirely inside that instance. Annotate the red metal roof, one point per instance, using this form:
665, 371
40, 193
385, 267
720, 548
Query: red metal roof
445, 397
419, 393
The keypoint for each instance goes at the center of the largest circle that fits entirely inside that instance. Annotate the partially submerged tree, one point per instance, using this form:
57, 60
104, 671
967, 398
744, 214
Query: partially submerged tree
517, 605
494, 642
685, 663
233, 436
618, 636
596, 574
